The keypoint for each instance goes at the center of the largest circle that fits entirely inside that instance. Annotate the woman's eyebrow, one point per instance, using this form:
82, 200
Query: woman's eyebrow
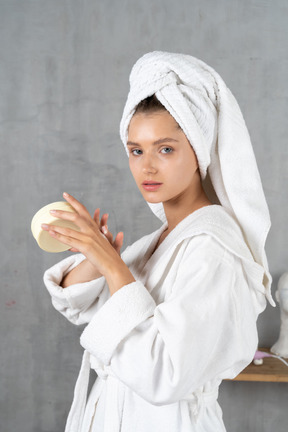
160, 141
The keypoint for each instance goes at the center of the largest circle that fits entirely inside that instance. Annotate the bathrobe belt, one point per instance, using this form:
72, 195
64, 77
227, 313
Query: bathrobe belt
197, 400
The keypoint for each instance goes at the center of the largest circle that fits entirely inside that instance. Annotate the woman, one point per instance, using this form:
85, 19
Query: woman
176, 313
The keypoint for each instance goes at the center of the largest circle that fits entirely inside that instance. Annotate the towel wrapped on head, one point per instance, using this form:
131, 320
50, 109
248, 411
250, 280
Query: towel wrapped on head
209, 115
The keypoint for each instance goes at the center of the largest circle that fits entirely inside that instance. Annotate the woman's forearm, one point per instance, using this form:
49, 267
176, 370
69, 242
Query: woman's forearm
84, 272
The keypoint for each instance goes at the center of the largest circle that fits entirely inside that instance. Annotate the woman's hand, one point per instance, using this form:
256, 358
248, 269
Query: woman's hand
94, 241
103, 227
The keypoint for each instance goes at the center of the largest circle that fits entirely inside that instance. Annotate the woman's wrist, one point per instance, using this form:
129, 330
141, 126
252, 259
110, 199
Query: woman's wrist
118, 277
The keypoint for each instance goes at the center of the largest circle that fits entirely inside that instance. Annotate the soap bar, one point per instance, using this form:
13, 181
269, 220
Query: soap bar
43, 238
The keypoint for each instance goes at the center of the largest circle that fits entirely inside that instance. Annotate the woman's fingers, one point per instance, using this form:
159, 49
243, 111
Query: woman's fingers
107, 233
67, 215
77, 241
72, 249
63, 237
104, 227
80, 208
104, 219
118, 242
96, 216
82, 222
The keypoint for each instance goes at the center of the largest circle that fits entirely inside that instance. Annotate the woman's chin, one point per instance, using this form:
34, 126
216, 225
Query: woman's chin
151, 201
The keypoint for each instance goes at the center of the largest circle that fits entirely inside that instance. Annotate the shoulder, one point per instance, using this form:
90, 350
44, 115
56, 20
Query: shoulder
214, 226
203, 252
213, 236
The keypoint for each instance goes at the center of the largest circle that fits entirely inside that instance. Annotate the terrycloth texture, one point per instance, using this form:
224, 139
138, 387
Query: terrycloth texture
78, 297
126, 307
199, 100
192, 323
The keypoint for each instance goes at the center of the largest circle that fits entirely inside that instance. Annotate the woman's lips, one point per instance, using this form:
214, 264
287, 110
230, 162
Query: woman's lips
151, 185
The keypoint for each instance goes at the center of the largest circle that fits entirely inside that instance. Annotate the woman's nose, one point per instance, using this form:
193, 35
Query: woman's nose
149, 165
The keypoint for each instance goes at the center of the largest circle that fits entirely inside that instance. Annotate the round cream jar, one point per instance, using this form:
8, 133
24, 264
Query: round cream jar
43, 238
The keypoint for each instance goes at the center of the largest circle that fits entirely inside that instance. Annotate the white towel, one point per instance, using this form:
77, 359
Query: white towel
209, 115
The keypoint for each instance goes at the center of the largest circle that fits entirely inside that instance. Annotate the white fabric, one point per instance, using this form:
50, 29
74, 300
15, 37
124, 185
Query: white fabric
161, 345
209, 115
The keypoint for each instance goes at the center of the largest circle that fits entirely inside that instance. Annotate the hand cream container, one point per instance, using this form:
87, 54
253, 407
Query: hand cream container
43, 238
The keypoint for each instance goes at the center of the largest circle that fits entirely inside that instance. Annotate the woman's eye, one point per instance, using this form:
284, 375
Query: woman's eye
166, 150
136, 152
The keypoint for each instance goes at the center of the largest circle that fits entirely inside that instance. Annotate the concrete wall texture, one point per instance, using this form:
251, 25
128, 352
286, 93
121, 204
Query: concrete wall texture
63, 83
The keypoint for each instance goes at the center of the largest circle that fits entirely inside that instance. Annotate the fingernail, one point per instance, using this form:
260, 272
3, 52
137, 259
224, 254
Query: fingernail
65, 194
105, 229
45, 226
53, 211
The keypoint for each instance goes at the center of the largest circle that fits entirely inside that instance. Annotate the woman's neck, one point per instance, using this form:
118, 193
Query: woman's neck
178, 210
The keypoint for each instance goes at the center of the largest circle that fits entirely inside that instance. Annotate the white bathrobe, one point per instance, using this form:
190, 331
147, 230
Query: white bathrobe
162, 345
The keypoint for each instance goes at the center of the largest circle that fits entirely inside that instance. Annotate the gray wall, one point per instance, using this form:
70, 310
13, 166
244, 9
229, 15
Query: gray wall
63, 83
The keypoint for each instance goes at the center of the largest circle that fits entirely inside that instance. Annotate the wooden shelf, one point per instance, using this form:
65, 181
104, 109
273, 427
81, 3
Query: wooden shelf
272, 370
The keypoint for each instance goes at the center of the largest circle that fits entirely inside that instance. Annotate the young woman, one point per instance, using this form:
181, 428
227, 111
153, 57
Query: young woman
176, 313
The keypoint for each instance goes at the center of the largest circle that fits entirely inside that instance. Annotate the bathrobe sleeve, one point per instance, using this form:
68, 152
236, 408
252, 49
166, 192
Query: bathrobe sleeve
204, 331
78, 302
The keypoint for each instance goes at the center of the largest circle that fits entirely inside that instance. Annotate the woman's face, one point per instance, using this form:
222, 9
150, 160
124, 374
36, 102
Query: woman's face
161, 159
